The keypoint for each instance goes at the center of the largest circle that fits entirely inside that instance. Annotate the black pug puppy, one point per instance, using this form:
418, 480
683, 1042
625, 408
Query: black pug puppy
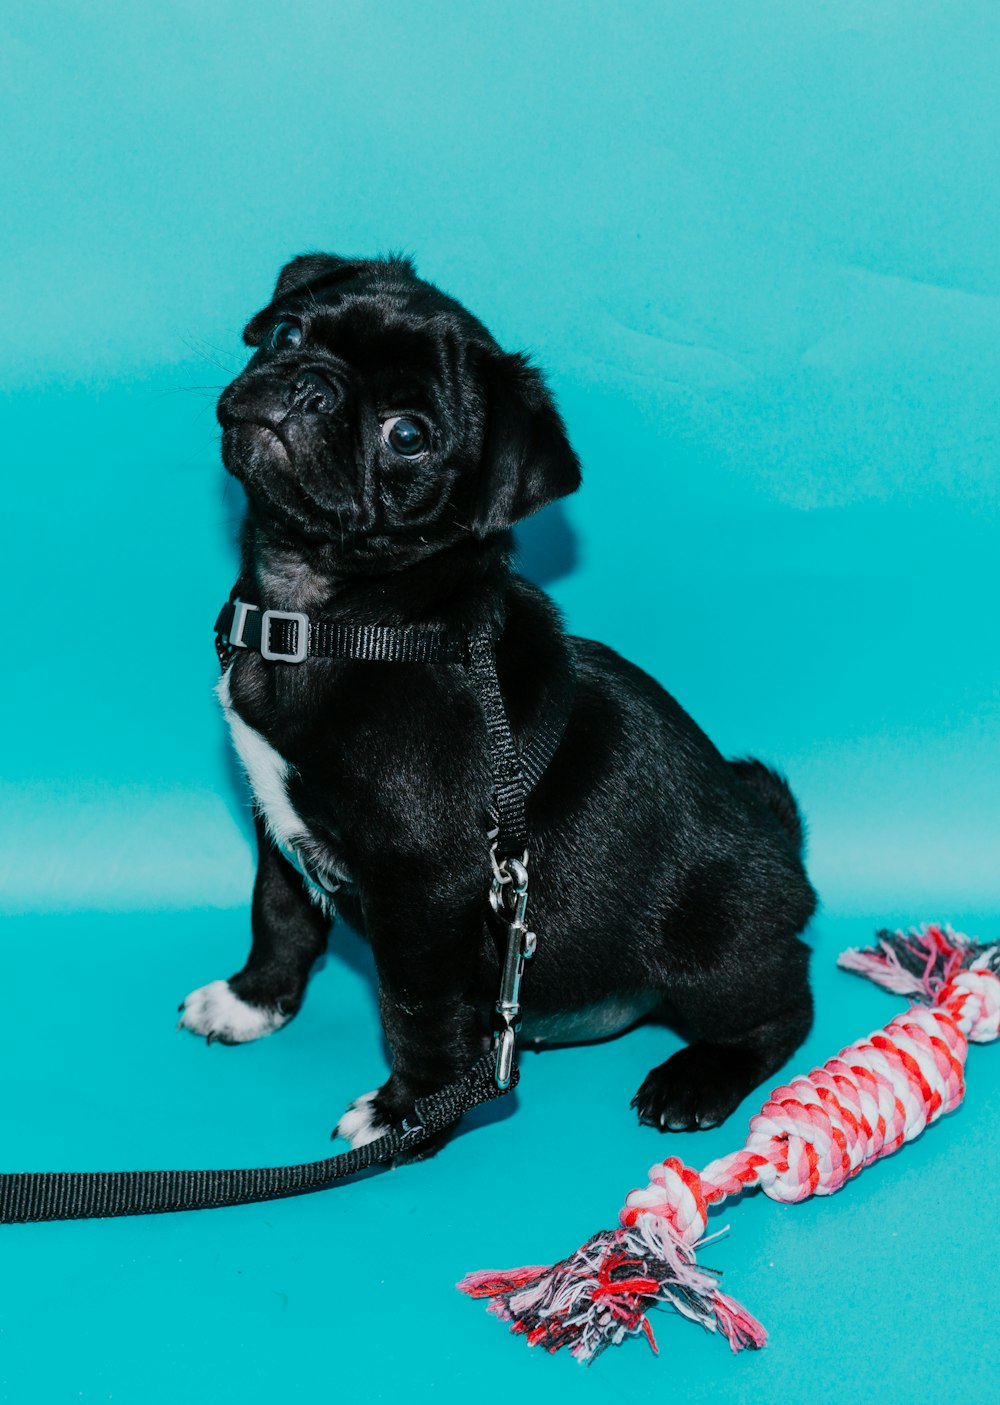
387, 445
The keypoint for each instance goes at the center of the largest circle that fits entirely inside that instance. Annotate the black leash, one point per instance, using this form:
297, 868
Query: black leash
289, 637
83, 1195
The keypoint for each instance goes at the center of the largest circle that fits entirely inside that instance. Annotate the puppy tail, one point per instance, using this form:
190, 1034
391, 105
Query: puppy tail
771, 787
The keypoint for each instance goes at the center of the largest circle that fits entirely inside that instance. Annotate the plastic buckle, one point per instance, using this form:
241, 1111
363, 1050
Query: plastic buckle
301, 650
240, 612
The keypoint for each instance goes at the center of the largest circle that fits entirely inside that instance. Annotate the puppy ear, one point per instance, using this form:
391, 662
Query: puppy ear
527, 459
302, 273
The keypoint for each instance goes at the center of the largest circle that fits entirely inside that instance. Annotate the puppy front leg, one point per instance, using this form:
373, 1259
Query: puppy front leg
429, 974
289, 933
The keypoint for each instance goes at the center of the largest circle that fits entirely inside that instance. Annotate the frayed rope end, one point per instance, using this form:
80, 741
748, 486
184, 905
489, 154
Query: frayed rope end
739, 1328
918, 963
603, 1293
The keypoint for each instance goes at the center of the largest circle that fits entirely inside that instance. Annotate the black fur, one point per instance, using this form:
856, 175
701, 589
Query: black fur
661, 874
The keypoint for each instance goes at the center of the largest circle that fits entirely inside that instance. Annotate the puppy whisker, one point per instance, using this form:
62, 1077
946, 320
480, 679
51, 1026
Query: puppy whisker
198, 345
188, 390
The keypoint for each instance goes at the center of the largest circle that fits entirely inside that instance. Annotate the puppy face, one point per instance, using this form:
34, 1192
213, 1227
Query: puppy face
380, 417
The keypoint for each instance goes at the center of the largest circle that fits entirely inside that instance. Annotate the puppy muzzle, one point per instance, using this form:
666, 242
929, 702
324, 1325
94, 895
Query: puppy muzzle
286, 438
270, 400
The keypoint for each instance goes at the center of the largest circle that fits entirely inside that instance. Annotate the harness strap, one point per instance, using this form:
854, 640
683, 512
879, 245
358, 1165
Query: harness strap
510, 789
290, 637
83, 1195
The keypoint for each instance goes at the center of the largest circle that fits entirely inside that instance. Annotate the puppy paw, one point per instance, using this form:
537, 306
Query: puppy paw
371, 1116
363, 1122
697, 1087
217, 1012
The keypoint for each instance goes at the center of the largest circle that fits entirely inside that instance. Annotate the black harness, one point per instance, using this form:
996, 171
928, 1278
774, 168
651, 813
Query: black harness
285, 637
291, 637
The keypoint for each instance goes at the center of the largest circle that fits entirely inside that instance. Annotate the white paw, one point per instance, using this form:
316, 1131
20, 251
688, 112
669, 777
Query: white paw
359, 1124
216, 1012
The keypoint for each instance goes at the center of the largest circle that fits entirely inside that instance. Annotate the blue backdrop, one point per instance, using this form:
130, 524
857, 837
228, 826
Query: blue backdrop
755, 248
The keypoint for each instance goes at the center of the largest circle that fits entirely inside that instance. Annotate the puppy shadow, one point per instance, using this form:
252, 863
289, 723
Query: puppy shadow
488, 1114
547, 546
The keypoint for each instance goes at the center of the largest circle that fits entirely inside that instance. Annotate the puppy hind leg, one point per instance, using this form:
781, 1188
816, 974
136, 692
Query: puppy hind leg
289, 933
702, 1084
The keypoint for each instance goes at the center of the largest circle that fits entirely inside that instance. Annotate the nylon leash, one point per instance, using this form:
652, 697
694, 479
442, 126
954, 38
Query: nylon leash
28, 1196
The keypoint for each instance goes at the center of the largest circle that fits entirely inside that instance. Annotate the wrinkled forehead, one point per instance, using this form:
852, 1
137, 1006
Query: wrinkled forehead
404, 341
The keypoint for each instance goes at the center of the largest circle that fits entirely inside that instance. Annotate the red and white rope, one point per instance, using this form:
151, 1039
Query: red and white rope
820, 1130
809, 1138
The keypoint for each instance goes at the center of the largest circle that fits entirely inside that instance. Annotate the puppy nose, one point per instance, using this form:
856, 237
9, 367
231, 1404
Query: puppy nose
311, 394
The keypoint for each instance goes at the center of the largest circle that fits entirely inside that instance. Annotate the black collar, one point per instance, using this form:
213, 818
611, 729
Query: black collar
290, 637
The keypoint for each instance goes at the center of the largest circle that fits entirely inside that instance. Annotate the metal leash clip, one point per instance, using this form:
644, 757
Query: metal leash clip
509, 900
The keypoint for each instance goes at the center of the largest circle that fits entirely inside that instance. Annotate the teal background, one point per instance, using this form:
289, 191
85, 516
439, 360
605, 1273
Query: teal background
754, 245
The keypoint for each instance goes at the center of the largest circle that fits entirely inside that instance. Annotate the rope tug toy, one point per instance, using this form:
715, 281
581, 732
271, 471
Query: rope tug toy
808, 1139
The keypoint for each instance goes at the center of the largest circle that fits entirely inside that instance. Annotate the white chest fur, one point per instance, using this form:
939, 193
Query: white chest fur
269, 773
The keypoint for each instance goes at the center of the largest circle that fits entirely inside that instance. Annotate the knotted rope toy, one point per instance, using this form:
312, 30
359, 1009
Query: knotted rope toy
809, 1138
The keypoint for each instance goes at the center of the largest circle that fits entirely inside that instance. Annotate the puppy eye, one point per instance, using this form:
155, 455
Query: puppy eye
286, 336
404, 435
